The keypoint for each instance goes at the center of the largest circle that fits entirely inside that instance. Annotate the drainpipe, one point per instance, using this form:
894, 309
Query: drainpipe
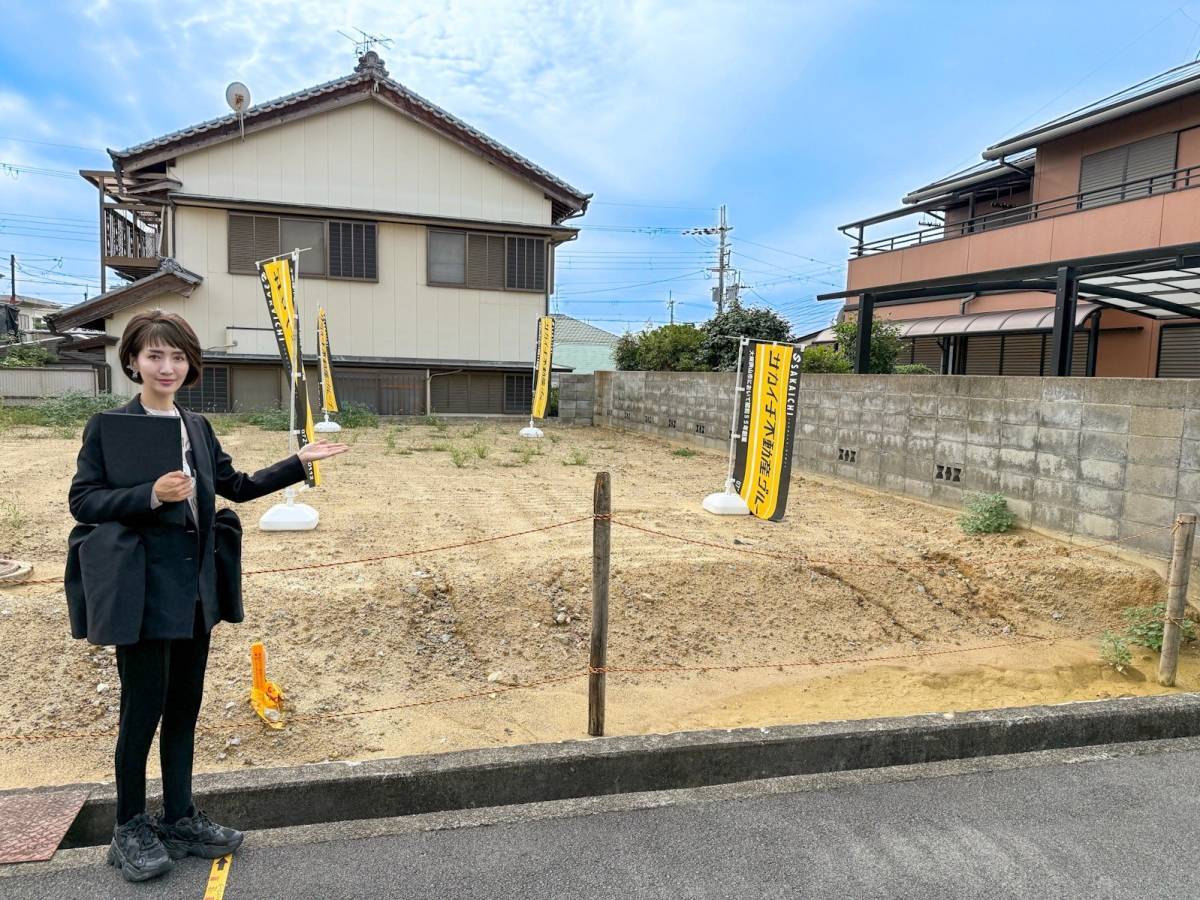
428, 391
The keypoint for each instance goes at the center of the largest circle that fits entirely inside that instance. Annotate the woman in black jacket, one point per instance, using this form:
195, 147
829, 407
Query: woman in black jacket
162, 670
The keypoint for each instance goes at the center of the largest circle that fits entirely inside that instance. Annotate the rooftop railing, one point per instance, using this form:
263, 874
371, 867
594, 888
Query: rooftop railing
1136, 189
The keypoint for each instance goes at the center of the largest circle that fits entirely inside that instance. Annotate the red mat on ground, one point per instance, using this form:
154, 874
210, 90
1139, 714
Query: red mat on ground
32, 823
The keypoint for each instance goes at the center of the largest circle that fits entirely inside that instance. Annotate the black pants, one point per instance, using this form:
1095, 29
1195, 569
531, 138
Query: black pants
159, 679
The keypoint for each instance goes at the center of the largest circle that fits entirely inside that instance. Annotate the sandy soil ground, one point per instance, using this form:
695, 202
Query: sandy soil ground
898, 577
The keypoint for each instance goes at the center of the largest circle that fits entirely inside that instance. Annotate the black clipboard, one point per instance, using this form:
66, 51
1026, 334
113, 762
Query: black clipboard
138, 449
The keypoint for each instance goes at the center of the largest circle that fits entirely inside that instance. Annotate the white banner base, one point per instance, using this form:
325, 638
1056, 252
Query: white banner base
531, 431
726, 503
327, 427
289, 516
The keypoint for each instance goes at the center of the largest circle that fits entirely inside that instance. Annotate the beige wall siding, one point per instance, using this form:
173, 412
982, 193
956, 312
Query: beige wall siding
400, 316
362, 156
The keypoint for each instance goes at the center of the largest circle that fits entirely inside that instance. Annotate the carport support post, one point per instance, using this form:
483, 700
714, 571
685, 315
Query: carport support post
1063, 337
601, 530
862, 347
1177, 585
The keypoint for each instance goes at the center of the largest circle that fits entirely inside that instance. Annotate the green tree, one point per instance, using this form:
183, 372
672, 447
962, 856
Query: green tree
885, 344
720, 349
669, 348
625, 353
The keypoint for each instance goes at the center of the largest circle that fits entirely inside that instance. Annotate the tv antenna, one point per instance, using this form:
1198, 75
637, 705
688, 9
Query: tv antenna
237, 95
365, 42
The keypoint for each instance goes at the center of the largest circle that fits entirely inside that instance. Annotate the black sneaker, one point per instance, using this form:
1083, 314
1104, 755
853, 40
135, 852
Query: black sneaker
198, 835
137, 850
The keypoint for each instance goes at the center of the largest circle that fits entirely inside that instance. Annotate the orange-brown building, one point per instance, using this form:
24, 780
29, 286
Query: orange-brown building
1072, 249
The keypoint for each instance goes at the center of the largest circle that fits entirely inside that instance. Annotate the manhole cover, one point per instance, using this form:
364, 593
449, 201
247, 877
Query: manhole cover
32, 823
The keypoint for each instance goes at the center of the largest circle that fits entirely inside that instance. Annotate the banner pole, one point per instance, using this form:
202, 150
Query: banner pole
728, 502
738, 390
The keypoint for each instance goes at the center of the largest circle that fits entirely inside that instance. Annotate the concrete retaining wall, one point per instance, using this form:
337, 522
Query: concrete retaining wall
1099, 457
503, 776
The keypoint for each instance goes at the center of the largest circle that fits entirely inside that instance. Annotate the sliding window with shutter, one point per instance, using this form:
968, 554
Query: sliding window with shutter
251, 238
484, 261
332, 249
1127, 172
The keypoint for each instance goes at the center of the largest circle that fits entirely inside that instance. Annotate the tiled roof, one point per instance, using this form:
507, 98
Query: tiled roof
30, 301
571, 331
370, 69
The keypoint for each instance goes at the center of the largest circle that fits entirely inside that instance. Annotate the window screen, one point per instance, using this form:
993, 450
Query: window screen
447, 257
526, 269
305, 233
352, 250
209, 394
518, 393
485, 261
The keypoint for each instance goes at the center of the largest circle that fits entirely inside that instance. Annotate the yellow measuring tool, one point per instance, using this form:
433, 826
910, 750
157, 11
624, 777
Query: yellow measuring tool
266, 697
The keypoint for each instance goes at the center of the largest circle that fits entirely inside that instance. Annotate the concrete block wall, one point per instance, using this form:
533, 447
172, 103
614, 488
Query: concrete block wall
576, 395
694, 407
1099, 457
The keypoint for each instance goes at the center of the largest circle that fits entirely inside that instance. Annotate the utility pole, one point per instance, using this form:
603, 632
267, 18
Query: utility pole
671, 305
722, 258
722, 262
12, 278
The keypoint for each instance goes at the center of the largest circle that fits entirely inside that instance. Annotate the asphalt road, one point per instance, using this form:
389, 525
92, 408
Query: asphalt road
1071, 827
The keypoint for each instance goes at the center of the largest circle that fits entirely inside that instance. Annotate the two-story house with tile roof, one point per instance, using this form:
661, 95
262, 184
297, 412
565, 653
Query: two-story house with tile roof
430, 245
1072, 249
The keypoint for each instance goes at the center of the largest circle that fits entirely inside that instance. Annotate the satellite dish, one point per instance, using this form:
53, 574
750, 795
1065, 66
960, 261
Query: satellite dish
237, 95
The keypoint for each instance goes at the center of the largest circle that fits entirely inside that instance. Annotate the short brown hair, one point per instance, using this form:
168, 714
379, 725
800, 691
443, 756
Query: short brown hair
158, 327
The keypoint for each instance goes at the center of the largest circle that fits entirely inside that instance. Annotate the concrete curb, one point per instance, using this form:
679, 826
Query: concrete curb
329, 792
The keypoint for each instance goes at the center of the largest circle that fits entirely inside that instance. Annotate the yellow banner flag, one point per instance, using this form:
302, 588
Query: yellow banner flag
766, 425
278, 277
541, 366
328, 397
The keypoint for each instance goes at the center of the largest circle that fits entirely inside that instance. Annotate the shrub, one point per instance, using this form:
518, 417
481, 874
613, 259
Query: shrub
440, 446
685, 452
823, 359
481, 449
357, 415
277, 419
74, 408
1144, 626
26, 356
986, 514
576, 458
885, 344
668, 348
552, 402
458, 456
914, 369
1114, 651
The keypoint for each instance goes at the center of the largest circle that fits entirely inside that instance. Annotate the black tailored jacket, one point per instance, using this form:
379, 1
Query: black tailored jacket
179, 562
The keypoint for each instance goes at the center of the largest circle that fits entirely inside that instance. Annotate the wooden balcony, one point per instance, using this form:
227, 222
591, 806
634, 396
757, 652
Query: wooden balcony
130, 243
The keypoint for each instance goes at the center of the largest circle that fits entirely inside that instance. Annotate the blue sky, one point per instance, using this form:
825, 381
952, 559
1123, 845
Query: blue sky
799, 116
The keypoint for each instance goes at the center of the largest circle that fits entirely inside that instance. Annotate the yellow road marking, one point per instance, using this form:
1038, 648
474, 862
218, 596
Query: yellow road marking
217, 876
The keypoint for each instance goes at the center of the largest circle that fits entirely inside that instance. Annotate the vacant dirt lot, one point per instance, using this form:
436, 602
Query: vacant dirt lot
896, 577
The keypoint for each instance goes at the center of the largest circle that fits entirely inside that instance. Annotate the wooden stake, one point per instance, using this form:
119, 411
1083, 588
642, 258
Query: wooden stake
1177, 585
601, 528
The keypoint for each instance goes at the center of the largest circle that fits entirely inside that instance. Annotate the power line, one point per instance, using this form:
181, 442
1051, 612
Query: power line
654, 206
52, 144
797, 255
627, 286
8, 168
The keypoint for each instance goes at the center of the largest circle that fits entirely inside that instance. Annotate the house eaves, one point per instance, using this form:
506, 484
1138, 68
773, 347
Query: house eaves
1172, 84
370, 81
170, 278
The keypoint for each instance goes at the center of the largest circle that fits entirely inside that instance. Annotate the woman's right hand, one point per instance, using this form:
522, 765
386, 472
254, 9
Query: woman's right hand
172, 487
